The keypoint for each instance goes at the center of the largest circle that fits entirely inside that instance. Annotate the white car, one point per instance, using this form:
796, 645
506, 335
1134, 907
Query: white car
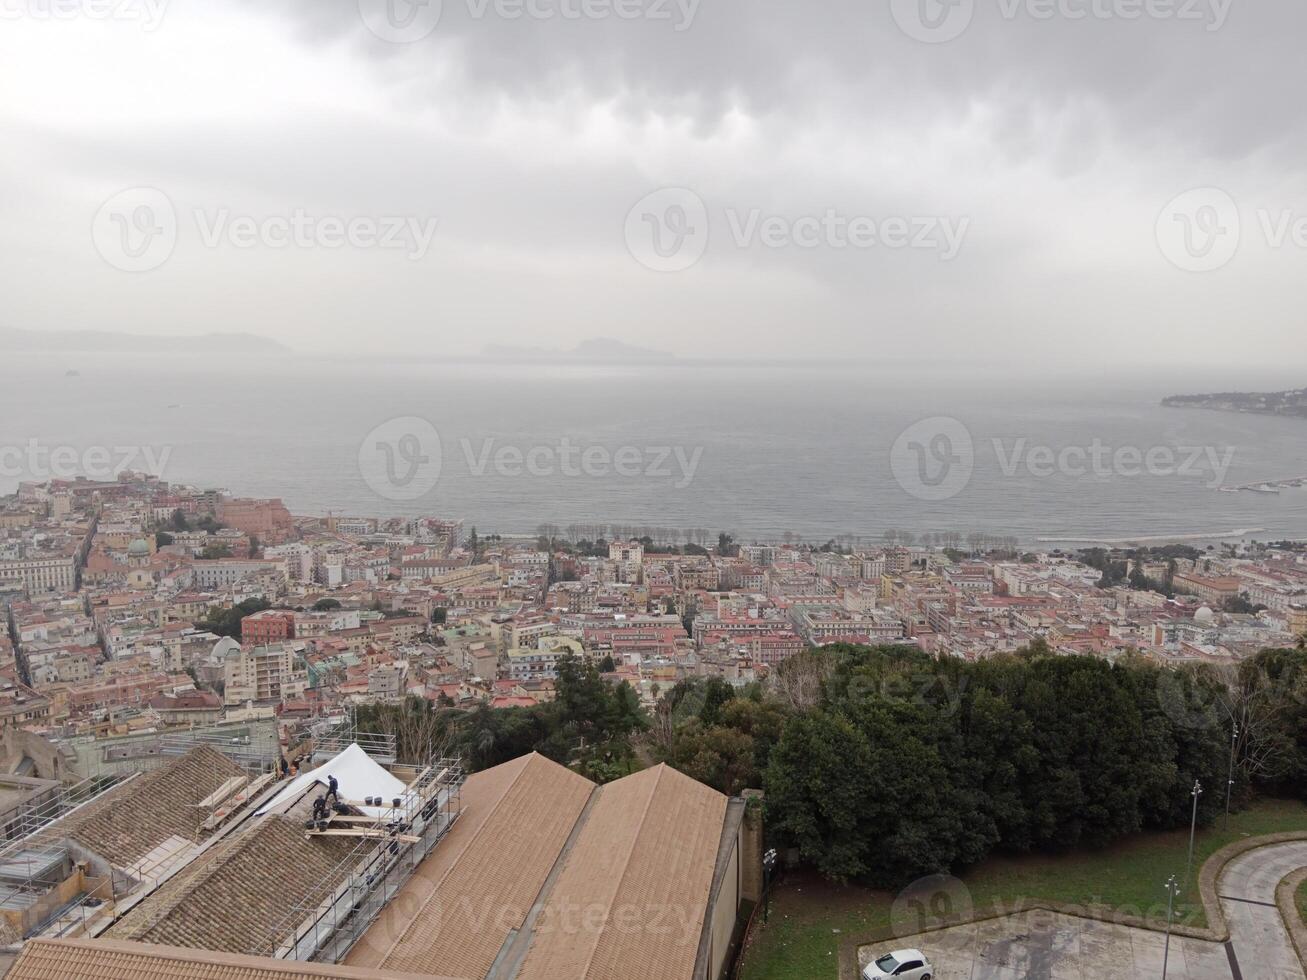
902, 964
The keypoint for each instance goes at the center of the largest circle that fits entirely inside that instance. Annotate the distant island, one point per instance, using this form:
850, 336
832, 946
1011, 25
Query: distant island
96, 341
599, 350
1291, 403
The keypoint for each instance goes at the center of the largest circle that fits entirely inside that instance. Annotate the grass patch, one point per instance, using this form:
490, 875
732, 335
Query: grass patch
809, 916
1302, 901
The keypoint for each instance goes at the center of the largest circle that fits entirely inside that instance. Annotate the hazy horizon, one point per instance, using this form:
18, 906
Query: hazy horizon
1077, 188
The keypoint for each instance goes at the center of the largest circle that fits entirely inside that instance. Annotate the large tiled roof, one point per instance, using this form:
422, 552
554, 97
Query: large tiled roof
131, 820
458, 908
234, 895
645, 859
544, 876
101, 959
547, 877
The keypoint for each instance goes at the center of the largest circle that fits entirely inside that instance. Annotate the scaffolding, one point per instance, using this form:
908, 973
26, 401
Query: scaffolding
26, 819
253, 745
334, 737
327, 922
250, 752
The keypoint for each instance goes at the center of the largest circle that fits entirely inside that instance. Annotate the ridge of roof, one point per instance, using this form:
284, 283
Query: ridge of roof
630, 850
624, 834
527, 761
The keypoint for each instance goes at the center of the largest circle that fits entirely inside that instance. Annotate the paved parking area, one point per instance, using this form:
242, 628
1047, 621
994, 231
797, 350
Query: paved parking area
1052, 946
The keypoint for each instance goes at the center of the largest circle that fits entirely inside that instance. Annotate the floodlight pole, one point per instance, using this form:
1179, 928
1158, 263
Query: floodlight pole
1229, 782
1196, 792
1171, 889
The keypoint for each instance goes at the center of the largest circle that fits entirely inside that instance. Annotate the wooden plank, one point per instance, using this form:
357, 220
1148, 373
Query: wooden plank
220, 815
223, 791
418, 778
374, 834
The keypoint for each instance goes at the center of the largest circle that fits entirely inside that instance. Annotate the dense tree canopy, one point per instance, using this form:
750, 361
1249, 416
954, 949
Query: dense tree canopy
589, 725
884, 764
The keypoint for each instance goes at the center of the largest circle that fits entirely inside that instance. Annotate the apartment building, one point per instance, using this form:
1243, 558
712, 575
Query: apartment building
260, 674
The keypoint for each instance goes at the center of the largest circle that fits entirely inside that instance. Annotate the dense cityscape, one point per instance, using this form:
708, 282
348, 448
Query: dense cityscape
239, 656
136, 605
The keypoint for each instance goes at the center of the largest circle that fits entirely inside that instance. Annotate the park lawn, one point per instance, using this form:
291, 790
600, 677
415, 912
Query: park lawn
1302, 901
810, 916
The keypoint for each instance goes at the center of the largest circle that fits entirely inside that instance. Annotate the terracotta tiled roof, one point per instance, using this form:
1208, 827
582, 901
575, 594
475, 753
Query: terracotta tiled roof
235, 894
131, 820
641, 851
645, 857
457, 909
101, 959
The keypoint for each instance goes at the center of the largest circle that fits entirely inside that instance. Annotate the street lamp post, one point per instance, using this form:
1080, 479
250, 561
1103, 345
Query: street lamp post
1196, 792
1171, 890
1229, 783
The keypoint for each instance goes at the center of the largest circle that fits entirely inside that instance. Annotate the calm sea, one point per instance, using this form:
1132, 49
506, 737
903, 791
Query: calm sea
758, 451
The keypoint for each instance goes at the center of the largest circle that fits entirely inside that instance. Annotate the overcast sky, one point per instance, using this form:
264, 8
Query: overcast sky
873, 179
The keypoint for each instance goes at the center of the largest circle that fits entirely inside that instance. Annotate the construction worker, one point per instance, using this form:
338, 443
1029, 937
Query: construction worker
333, 789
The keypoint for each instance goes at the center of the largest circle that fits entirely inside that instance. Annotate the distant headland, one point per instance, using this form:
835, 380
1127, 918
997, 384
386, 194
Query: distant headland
89, 341
1292, 403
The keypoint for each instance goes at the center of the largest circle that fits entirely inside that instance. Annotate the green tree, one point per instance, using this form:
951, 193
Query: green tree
717, 755
818, 795
227, 622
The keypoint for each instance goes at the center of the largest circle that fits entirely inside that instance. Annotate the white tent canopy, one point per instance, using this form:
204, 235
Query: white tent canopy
357, 775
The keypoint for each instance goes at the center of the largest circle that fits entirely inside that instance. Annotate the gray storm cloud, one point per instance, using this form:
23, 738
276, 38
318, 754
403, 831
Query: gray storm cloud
1052, 138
